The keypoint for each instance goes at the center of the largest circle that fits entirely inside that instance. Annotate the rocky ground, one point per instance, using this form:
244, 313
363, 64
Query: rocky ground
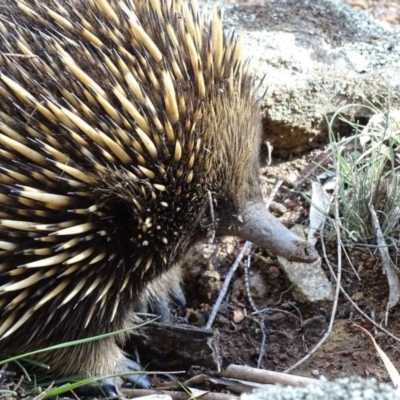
383, 10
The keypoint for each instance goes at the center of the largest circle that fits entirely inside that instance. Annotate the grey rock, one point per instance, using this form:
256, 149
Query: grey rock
317, 56
353, 388
310, 283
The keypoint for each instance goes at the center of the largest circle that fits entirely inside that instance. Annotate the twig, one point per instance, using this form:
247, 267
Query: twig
247, 283
225, 286
255, 309
176, 395
391, 273
44, 393
18, 385
210, 202
260, 321
263, 376
273, 193
285, 291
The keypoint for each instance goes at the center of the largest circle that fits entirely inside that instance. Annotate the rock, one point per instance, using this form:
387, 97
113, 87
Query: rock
317, 57
310, 283
354, 388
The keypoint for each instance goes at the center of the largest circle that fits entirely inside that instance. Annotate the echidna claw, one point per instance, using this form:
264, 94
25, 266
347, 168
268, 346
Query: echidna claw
139, 380
161, 305
109, 388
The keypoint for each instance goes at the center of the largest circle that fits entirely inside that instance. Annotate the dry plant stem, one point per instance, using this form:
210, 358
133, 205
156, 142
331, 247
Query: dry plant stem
388, 269
353, 303
18, 385
271, 196
210, 202
263, 376
255, 309
274, 192
247, 284
284, 292
75, 395
43, 395
336, 223
175, 395
196, 380
235, 386
351, 263
225, 286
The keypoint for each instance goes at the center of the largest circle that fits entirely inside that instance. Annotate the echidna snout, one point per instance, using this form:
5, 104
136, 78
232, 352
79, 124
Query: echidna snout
119, 120
272, 235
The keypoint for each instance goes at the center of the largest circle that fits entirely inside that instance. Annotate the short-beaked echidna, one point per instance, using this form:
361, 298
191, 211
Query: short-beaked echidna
119, 121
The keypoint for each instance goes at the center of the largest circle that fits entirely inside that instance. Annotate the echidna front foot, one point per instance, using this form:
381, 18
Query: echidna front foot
109, 387
162, 304
139, 380
161, 294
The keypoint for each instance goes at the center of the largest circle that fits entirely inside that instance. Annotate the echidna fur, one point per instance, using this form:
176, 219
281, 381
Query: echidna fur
119, 120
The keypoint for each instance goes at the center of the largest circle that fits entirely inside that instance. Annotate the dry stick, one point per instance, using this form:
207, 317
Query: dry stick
235, 386
271, 196
210, 202
255, 309
388, 269
336, 224
176, 395
274, 191
44, 393
351, 263
196, 380
247, 284
75, 395
225, 286
18, 385
244, 372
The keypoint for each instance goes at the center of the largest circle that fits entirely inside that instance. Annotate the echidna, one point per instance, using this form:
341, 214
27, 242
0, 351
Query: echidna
119, 121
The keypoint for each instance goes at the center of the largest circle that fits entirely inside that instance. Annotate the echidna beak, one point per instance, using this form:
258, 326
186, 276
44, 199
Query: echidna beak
263, 229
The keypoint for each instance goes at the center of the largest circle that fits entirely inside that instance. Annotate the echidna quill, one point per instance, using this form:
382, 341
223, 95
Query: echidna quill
119, 120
